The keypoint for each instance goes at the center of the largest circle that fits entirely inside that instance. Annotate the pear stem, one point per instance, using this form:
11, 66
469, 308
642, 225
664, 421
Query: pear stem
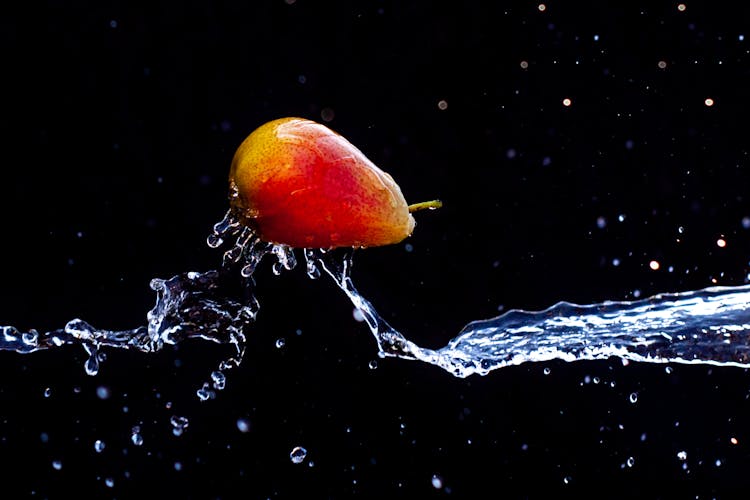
425, 205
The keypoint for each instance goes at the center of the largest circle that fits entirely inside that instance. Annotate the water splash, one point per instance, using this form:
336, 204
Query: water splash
709, 326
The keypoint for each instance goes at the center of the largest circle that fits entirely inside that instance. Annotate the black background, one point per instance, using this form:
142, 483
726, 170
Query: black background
118, 126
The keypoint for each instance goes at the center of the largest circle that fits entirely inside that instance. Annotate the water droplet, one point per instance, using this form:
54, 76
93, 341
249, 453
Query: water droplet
358, 315
298, 454
280, 343
92, 364
243, 425
56, 464
103, 392
179, 424
312, 268
205, 393
135, 435
437, 482
214, 240
633, 397
326, 114
30, 338
228, 364
99, 446
219, 380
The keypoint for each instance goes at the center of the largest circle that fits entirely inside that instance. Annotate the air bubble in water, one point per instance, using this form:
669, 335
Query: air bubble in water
99, 445
109, 482
682, 455
630, 461
633, 397
437, 482
56, 464
373, 364
179, 424
47, 392
298, 454
547, 370
280, 343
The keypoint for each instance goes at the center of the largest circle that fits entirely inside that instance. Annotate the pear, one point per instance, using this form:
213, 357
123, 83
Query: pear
298, 183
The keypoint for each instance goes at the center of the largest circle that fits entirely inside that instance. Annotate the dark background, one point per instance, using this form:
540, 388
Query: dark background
119, 123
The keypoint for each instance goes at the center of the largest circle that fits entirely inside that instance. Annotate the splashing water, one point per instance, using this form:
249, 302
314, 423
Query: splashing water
709, 326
